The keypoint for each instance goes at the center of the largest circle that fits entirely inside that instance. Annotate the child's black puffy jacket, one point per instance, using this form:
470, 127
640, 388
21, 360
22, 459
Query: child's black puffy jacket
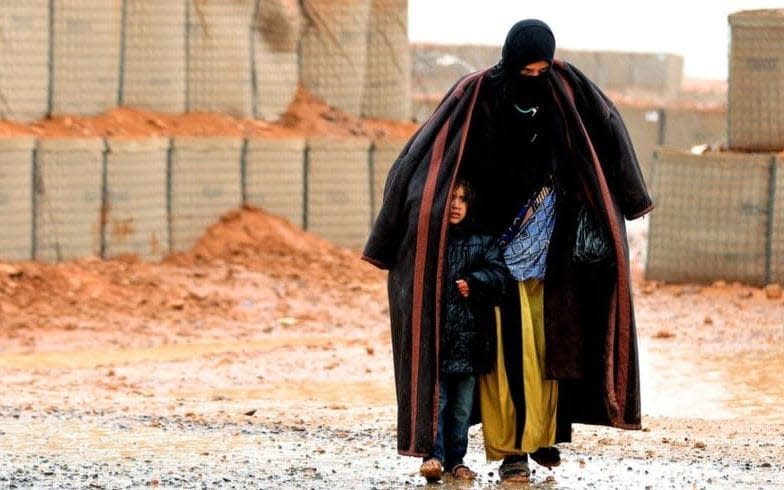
468, 332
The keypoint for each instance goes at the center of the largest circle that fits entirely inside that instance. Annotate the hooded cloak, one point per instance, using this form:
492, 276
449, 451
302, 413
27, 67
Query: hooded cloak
590, 330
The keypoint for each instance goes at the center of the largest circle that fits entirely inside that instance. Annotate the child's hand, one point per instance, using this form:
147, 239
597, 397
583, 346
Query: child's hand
462, 286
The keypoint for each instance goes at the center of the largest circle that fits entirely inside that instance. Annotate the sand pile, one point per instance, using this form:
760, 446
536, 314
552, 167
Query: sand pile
306, 116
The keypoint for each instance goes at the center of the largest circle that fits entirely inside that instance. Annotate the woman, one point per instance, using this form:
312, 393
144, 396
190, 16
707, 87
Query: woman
530, 131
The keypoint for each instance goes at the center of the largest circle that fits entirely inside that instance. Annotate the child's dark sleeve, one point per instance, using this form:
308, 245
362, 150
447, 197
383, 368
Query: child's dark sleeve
486, 282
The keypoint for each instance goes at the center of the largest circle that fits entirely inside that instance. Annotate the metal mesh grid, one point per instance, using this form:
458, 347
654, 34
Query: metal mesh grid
777, 226
24, 58
277, 76
154, 58
219, 56
16, 198
86, 39
338, 196
136, 218
278, 29
387, 91
205, 182
711, 217
274, 177
334, 51
68, 189
756, 80
382, 156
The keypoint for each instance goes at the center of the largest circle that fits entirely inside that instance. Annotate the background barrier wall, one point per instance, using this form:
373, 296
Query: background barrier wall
24, 59
387, 90
338, 190
86, 38
68, 198
275, 177
205, 182
334, 51
712, 217
219, 56
135, 207
685, 127
756, 80
777, 223
153, 72
383, 154
16, 198
645, 128
277, 32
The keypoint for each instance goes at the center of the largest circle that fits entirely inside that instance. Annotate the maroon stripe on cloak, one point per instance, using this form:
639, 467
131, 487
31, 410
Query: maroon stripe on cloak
442, 241
423, 225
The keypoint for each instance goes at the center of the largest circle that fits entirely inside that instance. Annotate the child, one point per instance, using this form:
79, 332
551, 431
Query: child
474, 281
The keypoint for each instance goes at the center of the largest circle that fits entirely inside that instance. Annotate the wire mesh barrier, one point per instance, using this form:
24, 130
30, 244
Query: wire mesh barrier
276, 35
205, 182
24, 59
334, 51
715, 218
275, 177
219, 57
135, 218
86, 38
338, 190
382, 155
153, 57
68, 198
387, 89
16, 201
756, 80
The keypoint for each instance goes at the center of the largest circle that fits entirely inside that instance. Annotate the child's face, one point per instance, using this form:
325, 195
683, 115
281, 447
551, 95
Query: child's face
458, 206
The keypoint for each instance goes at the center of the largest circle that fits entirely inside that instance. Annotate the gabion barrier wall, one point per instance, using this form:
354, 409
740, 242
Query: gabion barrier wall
383, 154
713, 218
334, 51
277, 27
86, 38
387, 91
685, 127
153, 72
24, 59
205, 182
338, 190
68, 198
151, 196
645, 127
219, 56
16, 198
756, 80
135, 217
275, 176
777, 225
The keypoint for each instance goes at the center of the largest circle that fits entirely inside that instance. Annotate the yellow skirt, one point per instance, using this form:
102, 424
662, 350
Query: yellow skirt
541, 395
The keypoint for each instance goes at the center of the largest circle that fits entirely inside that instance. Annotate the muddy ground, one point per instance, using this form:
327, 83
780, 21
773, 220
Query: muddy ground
261, 359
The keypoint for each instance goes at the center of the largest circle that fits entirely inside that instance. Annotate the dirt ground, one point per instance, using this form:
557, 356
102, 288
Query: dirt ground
261, 359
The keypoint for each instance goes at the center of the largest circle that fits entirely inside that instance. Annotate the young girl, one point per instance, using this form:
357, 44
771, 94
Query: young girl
475, 274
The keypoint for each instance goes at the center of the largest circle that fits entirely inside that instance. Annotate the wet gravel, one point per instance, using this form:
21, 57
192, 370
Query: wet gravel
352, 448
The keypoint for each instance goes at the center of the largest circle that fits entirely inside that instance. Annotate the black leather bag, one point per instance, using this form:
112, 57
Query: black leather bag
592, 241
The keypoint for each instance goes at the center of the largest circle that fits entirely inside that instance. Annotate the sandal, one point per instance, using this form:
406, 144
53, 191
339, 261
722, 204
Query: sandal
549, 457
463, 472
516, 471
432, 470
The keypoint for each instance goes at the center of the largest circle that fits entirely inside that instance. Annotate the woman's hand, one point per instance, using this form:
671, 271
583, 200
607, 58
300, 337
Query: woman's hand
462, 287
